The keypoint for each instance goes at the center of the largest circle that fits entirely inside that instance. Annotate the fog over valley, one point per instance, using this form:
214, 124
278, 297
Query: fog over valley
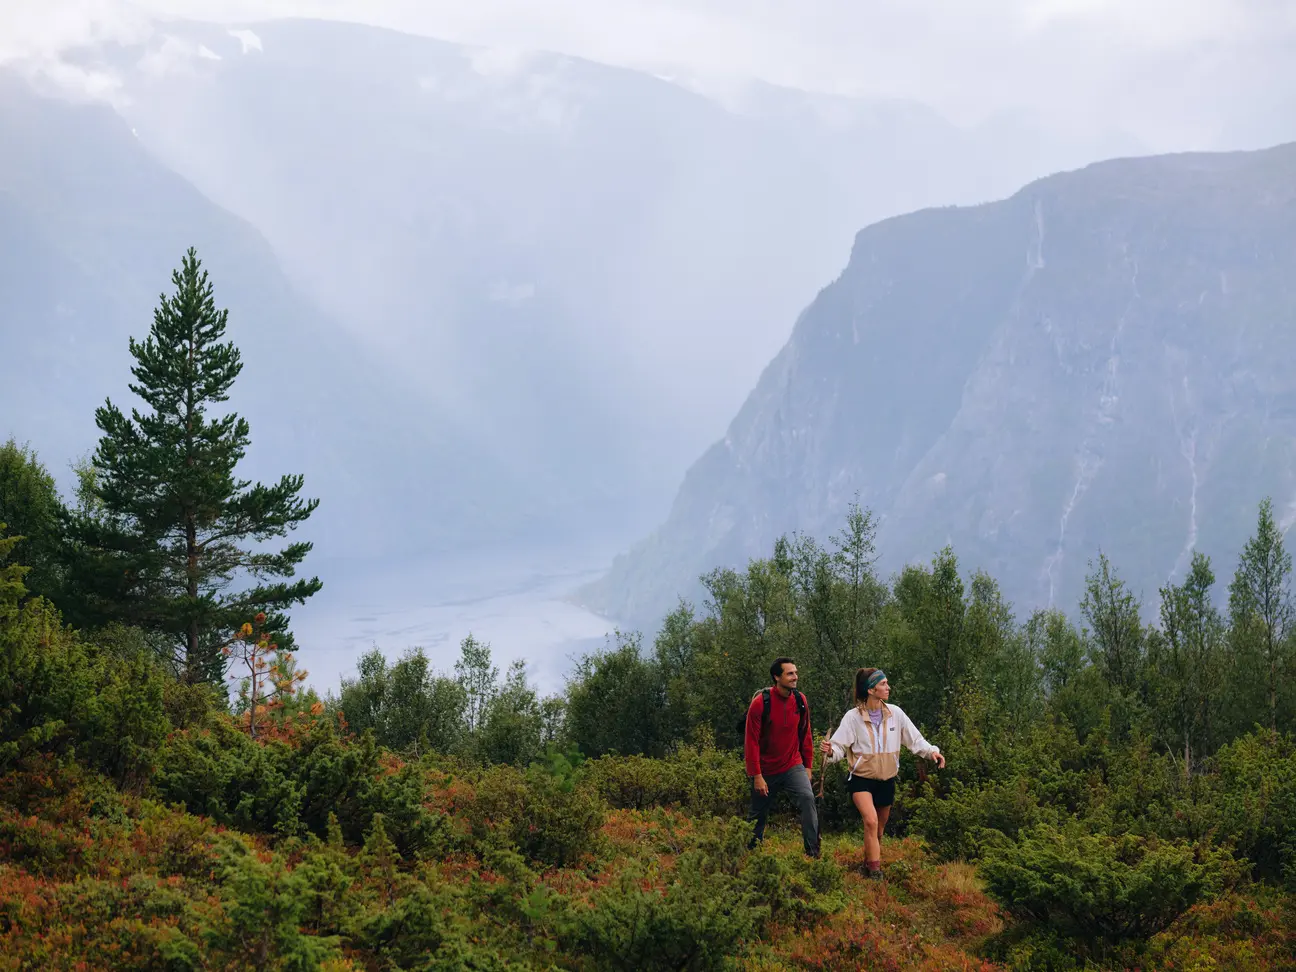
557, 310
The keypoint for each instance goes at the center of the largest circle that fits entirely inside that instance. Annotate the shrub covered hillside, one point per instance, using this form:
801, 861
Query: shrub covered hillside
143, 827
1118, 794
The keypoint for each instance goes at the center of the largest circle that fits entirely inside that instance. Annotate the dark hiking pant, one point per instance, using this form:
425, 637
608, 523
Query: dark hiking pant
796, 783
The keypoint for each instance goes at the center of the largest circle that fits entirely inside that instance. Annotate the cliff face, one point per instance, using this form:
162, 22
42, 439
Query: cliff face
538, 243
1101, 361
524, 250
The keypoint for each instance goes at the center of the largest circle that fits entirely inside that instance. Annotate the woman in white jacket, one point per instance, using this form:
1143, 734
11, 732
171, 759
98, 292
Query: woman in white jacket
869, 738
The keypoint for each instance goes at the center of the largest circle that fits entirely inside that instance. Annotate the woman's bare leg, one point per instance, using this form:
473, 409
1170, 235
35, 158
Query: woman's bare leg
883, 813
864, 804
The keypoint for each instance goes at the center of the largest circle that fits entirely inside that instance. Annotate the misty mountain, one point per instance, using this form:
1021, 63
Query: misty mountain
1101, 361
91, 226
585, 266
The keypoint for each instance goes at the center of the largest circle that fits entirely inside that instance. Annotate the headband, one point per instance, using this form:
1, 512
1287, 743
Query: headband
875, 678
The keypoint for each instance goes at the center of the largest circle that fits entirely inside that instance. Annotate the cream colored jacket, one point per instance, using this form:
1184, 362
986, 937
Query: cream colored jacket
875, 754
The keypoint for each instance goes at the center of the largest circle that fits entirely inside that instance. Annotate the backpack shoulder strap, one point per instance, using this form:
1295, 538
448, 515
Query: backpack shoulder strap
802, 720
765, 705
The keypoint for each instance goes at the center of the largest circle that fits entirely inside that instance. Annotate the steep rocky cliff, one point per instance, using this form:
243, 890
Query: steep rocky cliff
537, 239
1101, 361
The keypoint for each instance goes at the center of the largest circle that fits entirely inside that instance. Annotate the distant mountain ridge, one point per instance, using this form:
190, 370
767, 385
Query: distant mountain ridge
544, 244
1100, 361
91, 227
547, 282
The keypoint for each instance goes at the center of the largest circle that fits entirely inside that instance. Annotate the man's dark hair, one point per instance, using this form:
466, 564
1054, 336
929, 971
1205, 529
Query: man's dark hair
776, 668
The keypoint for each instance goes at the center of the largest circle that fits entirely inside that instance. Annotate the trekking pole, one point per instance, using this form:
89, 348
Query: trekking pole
823, 774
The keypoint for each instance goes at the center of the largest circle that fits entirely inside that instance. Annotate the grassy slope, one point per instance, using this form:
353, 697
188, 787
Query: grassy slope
90, 878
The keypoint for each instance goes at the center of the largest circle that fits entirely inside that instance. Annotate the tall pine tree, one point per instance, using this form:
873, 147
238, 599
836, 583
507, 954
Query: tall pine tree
168, 543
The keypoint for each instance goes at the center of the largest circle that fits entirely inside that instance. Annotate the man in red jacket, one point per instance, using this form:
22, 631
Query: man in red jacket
780, 754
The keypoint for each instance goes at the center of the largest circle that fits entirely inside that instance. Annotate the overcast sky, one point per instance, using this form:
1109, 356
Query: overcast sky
1176, 73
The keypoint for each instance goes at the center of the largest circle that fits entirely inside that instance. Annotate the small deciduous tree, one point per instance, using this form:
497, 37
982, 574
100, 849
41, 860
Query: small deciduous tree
272, 676
1185, 660
512, 724
1261, 612
616, 701
478, 678
1112, 611
408, 706
1012, 676
1060, 647
853, 558
940, 656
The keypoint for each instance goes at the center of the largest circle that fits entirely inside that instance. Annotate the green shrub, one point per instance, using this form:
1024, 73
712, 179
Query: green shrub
1101, 890
616, 701
59, 695
958, 825
275, 788
222, 774
1252, 801
696, 778
326, 877
426, 928
713, 782
700, 922
1033, 948
798, 891
537, 813
631, 782
122, 724
264, 911
136, 925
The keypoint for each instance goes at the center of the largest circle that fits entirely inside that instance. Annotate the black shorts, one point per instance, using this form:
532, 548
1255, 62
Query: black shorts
883, 790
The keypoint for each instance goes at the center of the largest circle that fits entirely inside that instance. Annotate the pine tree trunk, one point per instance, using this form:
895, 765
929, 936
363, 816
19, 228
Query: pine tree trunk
1273, 692
1207, 736
192, 664
192, 661
1270, 657
1187, 759
252, 710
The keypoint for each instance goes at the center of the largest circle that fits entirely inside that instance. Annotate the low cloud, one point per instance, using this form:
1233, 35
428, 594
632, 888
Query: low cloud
1178, 73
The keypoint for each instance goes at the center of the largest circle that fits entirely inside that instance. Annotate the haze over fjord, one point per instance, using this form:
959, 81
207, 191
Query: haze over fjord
566, 276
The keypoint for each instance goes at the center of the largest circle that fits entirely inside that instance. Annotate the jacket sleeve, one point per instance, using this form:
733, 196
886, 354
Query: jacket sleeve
842, 739
751, 738
913, 739
807, 741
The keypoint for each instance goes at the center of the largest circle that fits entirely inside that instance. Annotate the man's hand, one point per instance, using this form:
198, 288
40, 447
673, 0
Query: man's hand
762, 787
939, 758
810, 773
